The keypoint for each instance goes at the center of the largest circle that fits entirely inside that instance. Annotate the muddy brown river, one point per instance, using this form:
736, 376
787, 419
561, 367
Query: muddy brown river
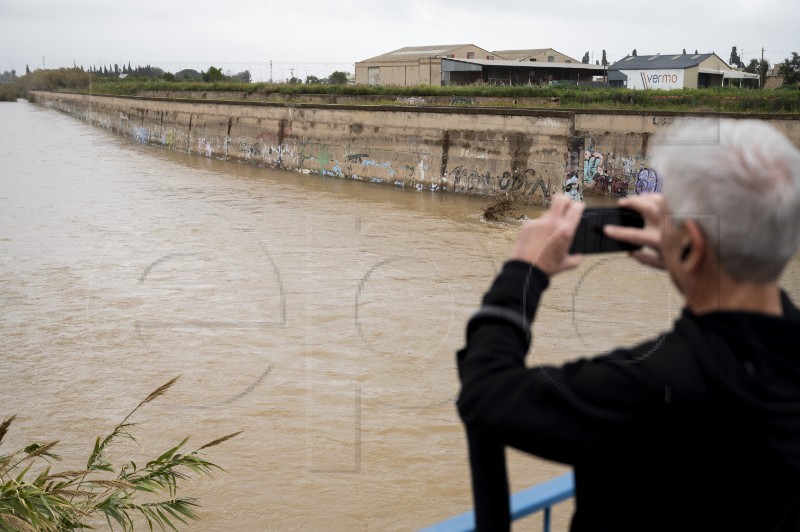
319, 316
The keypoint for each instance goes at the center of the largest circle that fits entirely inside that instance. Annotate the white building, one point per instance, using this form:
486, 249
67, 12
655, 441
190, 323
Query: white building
674, 71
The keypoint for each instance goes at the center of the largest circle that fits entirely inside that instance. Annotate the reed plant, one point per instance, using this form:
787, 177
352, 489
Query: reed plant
33, 497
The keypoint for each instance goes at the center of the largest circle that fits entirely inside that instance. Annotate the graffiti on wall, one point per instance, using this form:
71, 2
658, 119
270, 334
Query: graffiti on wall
571, 187
247, 148
522, 182
592, 166
204, 146
363, 159
648, 181
413, 100
356, 157
351, 167
605, 173
610, 185
141, 135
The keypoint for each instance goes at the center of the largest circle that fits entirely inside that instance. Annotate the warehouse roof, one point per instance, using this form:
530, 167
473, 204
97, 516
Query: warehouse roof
411, 53
521, 55
659, 61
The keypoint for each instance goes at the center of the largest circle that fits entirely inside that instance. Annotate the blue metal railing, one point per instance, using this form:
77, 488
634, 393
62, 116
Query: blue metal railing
524, 503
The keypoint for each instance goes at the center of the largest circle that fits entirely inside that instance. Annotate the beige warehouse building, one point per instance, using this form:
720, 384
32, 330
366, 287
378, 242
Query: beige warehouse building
466, 63
414, 65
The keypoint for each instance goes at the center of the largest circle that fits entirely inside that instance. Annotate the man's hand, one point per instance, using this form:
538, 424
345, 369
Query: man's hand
545, 241
652, 209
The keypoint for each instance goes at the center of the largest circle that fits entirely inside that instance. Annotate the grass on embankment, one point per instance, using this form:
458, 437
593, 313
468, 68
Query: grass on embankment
729, 100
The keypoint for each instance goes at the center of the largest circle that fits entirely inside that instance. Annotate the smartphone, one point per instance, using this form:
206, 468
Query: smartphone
589, 237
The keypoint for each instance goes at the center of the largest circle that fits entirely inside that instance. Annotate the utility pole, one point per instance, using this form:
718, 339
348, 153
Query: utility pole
43, 63
270, 70
762, 78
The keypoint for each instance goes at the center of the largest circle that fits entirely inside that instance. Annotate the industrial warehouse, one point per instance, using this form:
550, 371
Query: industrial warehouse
465, 64
677, 71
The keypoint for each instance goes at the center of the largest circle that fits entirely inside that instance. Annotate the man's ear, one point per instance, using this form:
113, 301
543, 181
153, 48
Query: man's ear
693, 250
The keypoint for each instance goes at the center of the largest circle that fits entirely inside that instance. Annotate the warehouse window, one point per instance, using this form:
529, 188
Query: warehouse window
470, 55
551, 59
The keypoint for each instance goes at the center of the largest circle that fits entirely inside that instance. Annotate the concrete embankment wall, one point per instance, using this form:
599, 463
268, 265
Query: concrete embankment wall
473, 150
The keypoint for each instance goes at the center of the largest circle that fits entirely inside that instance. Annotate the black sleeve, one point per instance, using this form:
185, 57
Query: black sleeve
565, 413
581, 412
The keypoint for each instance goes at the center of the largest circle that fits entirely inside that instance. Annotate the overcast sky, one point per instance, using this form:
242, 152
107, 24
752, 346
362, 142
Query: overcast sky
307, 37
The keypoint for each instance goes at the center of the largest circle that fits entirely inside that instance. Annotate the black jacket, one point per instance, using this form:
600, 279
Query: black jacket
696, 430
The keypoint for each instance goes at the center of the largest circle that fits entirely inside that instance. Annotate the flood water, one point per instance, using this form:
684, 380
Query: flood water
319, 316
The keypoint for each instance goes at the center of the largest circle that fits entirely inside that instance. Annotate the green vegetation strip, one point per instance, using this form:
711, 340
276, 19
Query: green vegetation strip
728, 100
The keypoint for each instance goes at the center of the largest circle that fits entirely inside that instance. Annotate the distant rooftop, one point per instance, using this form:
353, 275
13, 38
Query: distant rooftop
516, 54
660, 61
409, 53
521, 55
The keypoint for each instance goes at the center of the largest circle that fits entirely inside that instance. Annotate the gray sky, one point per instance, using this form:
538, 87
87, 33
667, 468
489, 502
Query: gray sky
314, 37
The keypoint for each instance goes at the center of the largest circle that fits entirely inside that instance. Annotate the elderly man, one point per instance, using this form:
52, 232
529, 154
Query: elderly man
698, 429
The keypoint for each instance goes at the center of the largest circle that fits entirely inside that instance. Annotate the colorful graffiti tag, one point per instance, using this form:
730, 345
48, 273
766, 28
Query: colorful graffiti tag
606, 184
648, 181
610, 174
571, 187
592, 166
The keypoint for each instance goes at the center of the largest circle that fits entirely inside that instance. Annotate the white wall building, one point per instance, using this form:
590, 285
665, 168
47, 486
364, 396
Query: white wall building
674, 71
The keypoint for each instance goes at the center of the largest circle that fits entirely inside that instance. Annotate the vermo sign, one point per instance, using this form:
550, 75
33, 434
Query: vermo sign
655, 79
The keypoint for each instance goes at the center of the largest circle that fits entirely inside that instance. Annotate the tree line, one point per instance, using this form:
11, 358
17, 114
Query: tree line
213, 74
789, 69
13, 86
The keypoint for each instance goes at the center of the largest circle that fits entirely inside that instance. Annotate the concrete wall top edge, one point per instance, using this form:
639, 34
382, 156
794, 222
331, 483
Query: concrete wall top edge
344, 107
565, 113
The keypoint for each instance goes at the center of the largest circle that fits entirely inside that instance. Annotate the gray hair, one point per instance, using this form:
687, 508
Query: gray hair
740, 180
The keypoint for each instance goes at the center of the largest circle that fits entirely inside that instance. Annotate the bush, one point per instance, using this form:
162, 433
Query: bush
9, 92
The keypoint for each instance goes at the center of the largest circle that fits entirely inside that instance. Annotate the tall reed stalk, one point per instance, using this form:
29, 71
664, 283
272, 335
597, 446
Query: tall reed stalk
69, 500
